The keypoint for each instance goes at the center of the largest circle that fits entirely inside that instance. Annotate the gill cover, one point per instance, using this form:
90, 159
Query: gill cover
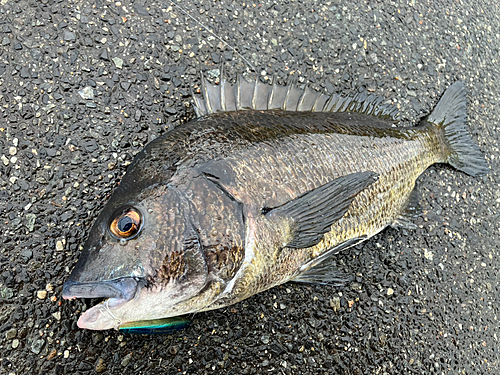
184, 271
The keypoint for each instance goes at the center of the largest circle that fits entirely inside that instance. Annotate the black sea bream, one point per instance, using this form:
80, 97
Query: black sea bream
260, 189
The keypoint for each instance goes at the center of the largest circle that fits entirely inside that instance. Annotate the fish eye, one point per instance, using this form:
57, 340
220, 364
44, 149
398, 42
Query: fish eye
126, 224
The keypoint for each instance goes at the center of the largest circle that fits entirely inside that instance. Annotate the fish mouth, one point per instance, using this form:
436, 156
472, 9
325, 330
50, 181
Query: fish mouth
122, 289
115, 292
101, 316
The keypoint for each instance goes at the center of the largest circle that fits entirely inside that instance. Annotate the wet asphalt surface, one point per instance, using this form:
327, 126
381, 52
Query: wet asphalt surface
84, 85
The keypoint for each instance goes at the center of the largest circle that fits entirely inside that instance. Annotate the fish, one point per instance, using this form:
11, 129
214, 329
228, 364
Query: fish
263, 187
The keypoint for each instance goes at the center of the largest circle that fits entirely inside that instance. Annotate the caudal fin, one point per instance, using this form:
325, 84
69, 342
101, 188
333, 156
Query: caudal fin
450, 116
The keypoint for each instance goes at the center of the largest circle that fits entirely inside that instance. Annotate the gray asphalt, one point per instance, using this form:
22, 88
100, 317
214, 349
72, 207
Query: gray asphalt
84, 85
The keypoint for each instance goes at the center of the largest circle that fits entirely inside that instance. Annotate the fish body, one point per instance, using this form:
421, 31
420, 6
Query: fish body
240, 200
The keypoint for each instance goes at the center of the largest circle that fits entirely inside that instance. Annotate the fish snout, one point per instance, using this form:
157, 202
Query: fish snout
124, 288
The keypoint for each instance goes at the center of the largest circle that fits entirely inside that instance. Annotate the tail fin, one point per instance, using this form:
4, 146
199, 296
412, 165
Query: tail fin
450, 116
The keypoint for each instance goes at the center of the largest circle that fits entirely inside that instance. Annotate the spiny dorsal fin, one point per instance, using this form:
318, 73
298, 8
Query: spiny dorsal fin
227, 97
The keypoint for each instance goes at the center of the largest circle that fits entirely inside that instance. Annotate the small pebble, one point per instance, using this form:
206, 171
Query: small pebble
335, 303
6, 293
126, 360
172, 350
87, 93
15, 344
11, 333
428, 254
37, 345
57, 315
69, 36
59, 246
52, 354
41, 294
118, 62
100, 366
104, 55
12, 151
214, 73
30, 222
355, 286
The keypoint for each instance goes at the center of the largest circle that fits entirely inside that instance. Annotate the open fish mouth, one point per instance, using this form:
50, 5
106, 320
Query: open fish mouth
115, 292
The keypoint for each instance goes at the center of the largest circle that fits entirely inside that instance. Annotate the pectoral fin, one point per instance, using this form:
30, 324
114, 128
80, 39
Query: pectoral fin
313, 213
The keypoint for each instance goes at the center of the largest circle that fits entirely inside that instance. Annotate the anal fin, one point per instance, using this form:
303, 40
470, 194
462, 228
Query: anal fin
411, 212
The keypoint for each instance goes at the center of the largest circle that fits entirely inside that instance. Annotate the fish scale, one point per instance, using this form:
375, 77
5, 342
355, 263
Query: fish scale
368, 214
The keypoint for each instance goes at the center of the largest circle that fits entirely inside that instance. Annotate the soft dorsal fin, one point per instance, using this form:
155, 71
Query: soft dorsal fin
257, 95
312, 214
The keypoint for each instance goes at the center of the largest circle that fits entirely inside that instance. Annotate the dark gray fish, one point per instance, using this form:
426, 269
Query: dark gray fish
263, 187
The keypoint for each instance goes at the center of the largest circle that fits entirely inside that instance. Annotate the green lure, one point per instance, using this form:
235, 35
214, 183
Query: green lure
156, 326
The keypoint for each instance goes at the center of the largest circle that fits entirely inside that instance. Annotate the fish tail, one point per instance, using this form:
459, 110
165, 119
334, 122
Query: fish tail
449, 119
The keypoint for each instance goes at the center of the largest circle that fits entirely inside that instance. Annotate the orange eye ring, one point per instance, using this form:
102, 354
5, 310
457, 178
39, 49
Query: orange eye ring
126, 224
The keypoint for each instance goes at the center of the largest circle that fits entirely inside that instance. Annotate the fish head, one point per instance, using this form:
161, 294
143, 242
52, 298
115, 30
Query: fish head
142, 249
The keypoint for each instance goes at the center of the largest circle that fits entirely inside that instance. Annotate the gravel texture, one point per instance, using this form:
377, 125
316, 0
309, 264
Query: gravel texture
84, 85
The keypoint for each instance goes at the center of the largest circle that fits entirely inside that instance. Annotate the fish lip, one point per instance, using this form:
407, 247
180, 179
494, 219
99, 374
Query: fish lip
100, 317
124, 288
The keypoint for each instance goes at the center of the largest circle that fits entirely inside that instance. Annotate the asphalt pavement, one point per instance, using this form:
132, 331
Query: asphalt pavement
85, 85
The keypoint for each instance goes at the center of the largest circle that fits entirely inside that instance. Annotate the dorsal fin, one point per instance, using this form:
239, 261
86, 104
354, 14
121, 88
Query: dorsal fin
227, 97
